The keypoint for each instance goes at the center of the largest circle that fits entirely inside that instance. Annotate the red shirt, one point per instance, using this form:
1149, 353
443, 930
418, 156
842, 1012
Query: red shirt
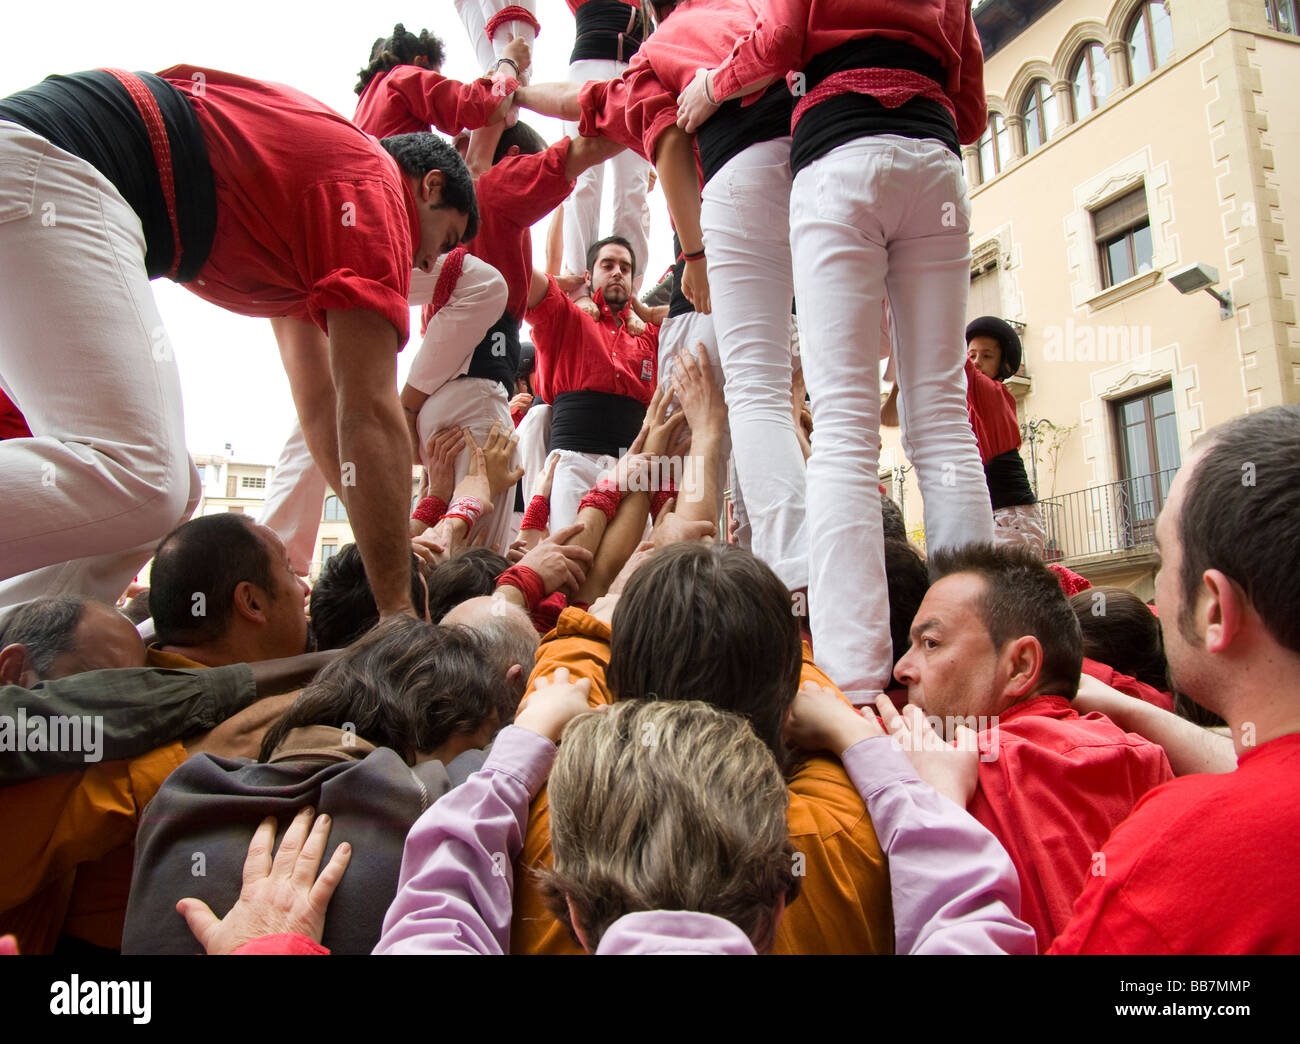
1057, 785
790, 33
637, 108
410, 99
312, 214
513, 195
13, 425
1209, 863
1127, 685
577, 353
992, 414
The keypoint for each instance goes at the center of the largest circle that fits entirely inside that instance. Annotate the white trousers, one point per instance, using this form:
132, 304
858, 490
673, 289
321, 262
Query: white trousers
630, 176
575, 474
473, 403
745, 217
881, 215
84, 354
295, 495
534, 433
474, 15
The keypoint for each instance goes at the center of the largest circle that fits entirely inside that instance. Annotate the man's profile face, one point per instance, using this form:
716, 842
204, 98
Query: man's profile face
951, 666
611, 275
1182, 646
441, 227
287, 612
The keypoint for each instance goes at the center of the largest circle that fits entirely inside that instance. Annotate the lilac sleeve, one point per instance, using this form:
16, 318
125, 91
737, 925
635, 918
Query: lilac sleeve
455, 891
953, 886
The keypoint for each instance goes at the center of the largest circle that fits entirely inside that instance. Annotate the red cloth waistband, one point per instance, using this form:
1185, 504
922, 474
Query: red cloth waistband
513, 13
890, 87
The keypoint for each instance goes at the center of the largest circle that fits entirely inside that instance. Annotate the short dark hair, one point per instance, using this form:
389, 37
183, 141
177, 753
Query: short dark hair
342, 606
45, 628
1121, 631
471, 574
596, 247
712, 623
1239, 512
195, 571
402, 48
421, 152
529, 141
1021, 597
908, 580
891, 517
406, 685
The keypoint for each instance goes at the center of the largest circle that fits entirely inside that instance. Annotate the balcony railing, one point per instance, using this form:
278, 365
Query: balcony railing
1119, 516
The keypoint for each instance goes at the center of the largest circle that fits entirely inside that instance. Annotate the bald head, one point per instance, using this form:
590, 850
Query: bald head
511, 641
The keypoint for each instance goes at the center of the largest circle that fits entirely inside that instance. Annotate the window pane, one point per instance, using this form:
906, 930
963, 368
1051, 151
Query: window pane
1139, 54
1167, 455
1142, 247
988, 166
1133, 412
1003, 140
1082, 93
1162, 31
1033, 131
1050, 111
1117, 258
1091, 79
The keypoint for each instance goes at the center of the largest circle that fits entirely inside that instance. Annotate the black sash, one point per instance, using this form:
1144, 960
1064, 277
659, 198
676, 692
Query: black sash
595, 422
608, 29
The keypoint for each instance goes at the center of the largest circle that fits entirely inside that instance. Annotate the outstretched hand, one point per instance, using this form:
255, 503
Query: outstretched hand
280, 896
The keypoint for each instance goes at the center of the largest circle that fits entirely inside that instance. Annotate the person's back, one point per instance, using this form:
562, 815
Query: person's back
1052, 787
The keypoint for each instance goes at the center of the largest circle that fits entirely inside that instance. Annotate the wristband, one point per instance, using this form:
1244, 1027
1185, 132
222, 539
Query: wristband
708, 90
468, 509
528, 581
510, 62
430, 510
659, 499
537, 515
697, 256
605, 496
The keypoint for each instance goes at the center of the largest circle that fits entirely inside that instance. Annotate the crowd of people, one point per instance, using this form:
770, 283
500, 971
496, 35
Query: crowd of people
650, 664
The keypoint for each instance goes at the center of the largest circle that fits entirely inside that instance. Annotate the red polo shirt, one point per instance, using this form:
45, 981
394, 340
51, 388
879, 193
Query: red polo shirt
790, 33
637, 108
992, 414
513, 195
1209, 863
577, 353
1054, 789
312, 214
410, 99
1128, 685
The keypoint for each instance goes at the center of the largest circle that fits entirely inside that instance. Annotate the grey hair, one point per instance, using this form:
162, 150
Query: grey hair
45, 628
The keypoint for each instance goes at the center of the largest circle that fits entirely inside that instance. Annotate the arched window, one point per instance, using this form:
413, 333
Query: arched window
1091, 79
1039, 113
334, 509
1150, 39
1281, 15
994, 147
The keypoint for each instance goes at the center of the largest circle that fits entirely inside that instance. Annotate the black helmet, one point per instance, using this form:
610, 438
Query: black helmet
1002, 332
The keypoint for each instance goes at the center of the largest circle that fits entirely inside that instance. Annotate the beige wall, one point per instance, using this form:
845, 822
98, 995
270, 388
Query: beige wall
1212, 137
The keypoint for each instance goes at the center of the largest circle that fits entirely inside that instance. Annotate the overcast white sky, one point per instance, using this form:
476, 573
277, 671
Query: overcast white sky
235, 389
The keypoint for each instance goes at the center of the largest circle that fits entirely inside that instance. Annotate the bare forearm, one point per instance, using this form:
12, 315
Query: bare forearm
585, 153
619, 539
698, 500
646, 314
675, 164
551, 99
413, 401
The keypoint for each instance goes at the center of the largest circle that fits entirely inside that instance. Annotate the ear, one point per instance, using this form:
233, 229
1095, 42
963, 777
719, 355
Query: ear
431, 185
515, 672
15, 667
1023, 660
513, 150
250, 602
1221, 610
573, 920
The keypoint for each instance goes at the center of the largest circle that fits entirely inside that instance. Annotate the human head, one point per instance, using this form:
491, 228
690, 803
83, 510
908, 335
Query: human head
53, 638
471, 574
994, 346
709, 622
221, 587
611, 267
527, 364
1228, 541
994, 629
1121, 631
891, 516
402, 48
668, 805
406, 685
342, 606
519, 140
443, 191
510, 640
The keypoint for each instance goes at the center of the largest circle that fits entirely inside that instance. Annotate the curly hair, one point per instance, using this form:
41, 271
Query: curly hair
421, 152
402, 48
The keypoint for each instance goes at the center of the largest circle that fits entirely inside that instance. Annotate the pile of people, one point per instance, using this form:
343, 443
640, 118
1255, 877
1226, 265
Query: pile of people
651, 664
